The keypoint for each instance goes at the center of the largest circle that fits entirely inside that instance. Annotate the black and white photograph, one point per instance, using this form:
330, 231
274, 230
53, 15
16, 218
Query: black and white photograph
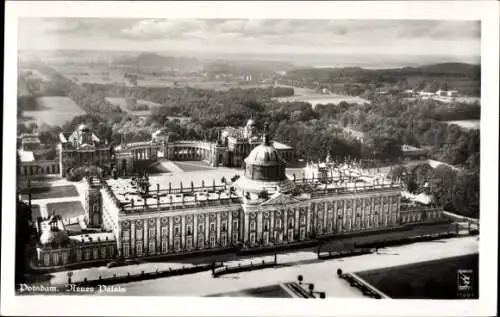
212, 157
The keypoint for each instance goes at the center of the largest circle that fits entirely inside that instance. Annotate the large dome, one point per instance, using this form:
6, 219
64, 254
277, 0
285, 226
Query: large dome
264, 155
264, 170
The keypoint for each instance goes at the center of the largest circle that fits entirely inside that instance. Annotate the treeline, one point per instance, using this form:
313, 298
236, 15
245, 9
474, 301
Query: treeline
387, 123
212, 107
414, 123
358, 81
456, 191
61, 86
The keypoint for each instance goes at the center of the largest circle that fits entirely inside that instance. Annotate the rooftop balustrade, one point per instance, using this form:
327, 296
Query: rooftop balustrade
180, 205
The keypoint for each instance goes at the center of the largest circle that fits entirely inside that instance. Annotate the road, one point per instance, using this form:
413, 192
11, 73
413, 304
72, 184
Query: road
322, 274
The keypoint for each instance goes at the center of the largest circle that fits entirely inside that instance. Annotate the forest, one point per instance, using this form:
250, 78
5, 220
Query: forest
357, 81
456, 191
387, 123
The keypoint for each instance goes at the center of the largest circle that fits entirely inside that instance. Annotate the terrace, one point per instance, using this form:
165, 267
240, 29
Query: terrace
127, 195
131, 198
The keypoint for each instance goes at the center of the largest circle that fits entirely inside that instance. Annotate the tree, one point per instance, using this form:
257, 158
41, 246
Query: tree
398, 172
420, 174
442, 183
411, 186
465, 195
385, 148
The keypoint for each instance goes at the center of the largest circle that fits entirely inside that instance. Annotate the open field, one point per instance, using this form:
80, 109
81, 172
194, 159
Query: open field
466, 124
52, 192
117, 101
315, 98
323, 99
53, 111
354, 133
67, 209
462, 99
81, 74
428, 280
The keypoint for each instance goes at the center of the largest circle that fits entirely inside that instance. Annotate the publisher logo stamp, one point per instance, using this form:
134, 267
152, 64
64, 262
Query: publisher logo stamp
464, 283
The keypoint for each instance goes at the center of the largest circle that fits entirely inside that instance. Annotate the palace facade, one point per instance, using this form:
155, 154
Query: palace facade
34, 158
83, 148
262, 208
239, 142
127, 218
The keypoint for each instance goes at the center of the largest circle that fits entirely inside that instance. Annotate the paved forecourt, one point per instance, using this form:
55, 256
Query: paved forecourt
322, 273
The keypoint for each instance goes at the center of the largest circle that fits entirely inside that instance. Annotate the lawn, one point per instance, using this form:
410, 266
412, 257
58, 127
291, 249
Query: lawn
54, 111
208, 176
120, 102
52, 192
466, 124
68, 209
271, 291
191, 166
429, 280
323, 99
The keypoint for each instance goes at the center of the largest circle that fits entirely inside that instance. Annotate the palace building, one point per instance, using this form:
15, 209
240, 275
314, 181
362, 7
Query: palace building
63, 242
262, 208
129, 218
35, 158
83, 148
238, 143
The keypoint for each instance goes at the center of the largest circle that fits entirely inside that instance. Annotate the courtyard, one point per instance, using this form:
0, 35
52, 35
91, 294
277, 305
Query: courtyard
52, 192
66, 209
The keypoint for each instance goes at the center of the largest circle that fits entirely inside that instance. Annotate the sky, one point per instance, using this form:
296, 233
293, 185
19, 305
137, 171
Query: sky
401, 37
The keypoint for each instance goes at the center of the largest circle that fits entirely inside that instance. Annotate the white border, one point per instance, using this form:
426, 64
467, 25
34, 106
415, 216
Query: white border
487, 12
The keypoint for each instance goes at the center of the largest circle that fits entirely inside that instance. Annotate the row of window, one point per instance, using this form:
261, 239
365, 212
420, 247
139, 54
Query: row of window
62, 258
329, 227
57, 259
177, 230
321, 229
40, 170
177, 247
277, 223
95, 253
278, 237
417, 216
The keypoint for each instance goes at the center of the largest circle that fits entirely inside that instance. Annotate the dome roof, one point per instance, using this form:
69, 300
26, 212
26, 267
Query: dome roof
54, 236
264, 155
